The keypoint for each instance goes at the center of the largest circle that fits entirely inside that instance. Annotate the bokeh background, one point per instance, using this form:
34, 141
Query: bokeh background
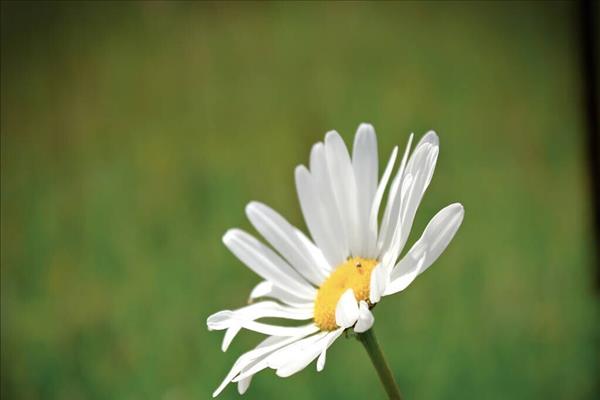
133, 134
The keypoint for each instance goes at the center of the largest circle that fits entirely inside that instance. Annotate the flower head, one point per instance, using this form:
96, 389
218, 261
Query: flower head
333, 280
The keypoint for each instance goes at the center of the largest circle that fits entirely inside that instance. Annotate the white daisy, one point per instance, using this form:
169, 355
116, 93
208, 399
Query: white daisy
333, 280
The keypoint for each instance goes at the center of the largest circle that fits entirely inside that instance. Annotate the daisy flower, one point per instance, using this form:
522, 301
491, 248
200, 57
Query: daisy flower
332, 279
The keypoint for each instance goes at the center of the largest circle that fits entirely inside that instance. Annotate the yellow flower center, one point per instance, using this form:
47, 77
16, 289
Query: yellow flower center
355, 274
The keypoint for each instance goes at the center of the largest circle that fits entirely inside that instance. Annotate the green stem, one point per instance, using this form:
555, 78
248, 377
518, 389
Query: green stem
369, 341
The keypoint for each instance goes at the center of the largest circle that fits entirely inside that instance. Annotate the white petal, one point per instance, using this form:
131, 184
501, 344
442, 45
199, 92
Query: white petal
438, 234
271, 309
243, 385
365, 164
293, 352
421, 166
331, 337
394, 201
344, 188
280, 356
265, 329
380, 276
267, 289
266, 263
390, 247
402, 168
315, 254
316, 218
419, 172
365, 318
346, 310
249, 357
280, 234
436, 237
252, 369
261, 290
266, 347
230, 320
364, 159
301, 356
331, 213
406, 278
239, 364
430, 137
372, 250
230, 334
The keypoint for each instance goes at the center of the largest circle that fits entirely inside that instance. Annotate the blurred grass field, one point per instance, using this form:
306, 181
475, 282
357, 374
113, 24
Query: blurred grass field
133, 134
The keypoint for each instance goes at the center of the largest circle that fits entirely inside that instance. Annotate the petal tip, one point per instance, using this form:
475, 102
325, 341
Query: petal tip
300, 171
230, 235
459, 209
366, 127
431, 137
346, 310
252, 206
332, 135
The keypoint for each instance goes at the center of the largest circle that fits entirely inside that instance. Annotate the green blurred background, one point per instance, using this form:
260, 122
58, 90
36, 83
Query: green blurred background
133, 134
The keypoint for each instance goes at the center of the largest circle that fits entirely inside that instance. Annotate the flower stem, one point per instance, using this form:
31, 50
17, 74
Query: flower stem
369, 341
